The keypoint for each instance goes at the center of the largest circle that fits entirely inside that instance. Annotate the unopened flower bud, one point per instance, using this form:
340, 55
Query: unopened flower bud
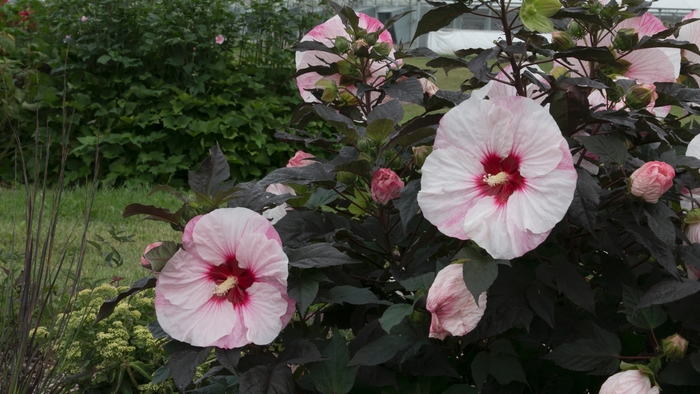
341, 44
345, 177
641, 96
364, 144
631, 381
562, 40
386, 186
576, 30
674, 346
383, 48
347, 99
652, 180
359, 44
420, 153
626, 39
372, 38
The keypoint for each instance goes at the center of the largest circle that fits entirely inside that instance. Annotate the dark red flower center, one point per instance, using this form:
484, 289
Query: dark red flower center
501, 177
231, 281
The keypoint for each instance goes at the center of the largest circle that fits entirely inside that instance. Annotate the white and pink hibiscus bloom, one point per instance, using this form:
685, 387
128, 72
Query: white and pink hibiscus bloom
452, 307
500, 174
326, 33
629, 382
646, 65
691, 33
227, 287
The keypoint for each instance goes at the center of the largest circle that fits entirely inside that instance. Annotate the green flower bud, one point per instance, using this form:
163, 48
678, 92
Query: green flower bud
535, 14
641, 96
562, 40
372, 38
420, 153
346, 177
625, 40
383, 48
674, 346
348, 99
359, 45
576, 30
364, 144
692, 217
341, 44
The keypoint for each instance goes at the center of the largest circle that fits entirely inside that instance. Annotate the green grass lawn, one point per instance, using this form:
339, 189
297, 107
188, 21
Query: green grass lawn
106, 212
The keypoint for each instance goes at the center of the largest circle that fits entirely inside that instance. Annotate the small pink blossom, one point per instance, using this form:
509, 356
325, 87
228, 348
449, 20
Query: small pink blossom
652, 180
429, 87
386, 186
68, 37
144, 261
83, 18
452, 306
227, 287
500, 174
220, 39
301, 159
628, 382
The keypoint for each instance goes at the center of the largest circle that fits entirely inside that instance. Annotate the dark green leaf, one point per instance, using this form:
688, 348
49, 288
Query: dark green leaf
648, 318
394, 315
333, 376
154, 213
594, 54
422, 282
353, 295
267, 379
213, 171
381, 350
156, 330
504, 364
584, 207
659, 220
461, 389
312, 173
479, 271
300, 352
160, 255
184, 362
447, 63
317, 256
228, 358
658, 249
680, 373
600, 353
409, 91
668, 290
574, 286
608, 148
541, 299
379, 129
408, 204
389, 110
439, 17
359, 167
161, 375
480, 369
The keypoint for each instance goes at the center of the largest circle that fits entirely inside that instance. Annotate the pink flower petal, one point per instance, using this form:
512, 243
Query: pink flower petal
261, 313
263, 257
691, 33
185, 280
654, 65
694, 147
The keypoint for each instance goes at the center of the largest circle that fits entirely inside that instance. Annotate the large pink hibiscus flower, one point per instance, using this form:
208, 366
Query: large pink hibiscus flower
228, 286
326, 33
691, 33
500, 174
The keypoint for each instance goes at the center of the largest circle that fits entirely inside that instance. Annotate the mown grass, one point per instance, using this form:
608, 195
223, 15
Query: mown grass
106, 215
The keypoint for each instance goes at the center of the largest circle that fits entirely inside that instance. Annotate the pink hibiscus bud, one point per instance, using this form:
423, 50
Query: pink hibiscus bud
301, 159
386, 186
674, 347
629, 382
220, 39
652, 180
359, 45
641, 96
144, 260
452, 306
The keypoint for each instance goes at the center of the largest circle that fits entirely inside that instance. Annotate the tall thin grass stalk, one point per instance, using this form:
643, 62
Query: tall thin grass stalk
42, 279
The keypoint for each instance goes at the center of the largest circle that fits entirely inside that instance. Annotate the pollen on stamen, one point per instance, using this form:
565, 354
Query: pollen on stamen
494, 180
223, 288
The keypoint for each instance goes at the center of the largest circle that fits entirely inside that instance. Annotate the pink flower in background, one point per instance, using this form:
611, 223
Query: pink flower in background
83, 18
326, 34
220, 39
451, 305
280, 211
301, 159
628, 382
228, 286
386, 186
500, 174
652, 180
68, 37
646, 65
144, 261
691, 33
429, 87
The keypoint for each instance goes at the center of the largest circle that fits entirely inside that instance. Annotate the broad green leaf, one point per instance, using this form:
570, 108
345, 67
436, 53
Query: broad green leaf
334, 376
479, 271
394, 315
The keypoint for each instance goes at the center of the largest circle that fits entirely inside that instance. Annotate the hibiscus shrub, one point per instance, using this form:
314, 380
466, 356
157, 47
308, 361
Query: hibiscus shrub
537, 235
